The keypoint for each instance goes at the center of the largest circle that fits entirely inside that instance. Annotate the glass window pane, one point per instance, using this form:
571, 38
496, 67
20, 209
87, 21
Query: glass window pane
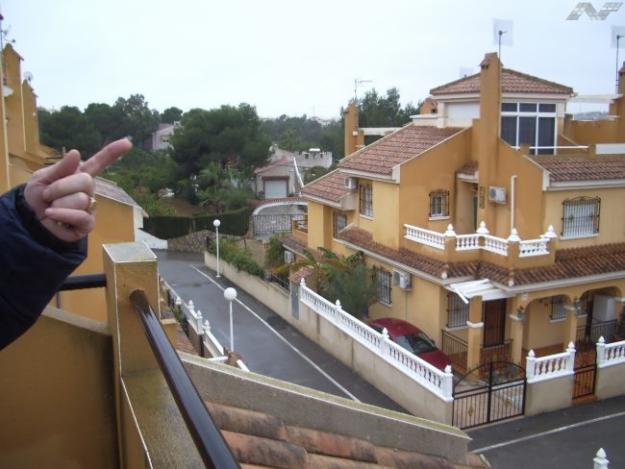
547, 108
546, 134
528, 107
508, 129
509, 107
527, 130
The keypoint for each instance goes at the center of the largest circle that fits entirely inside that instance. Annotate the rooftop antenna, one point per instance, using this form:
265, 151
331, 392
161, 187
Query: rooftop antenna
465, 71
618, 41
358, 81
502, 34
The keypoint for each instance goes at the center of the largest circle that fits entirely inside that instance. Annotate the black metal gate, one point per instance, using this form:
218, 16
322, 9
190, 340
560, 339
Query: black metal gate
585, 372
489, 393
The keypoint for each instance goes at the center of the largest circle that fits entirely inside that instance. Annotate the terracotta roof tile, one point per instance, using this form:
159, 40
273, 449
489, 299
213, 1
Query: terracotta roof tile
260, 203
330, 186
511, 82
580, 168
398, 147
469, 169
302, 273
293, 244
109, 189
260, 440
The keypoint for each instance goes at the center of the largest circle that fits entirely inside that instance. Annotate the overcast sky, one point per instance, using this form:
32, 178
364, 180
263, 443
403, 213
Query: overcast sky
293, 57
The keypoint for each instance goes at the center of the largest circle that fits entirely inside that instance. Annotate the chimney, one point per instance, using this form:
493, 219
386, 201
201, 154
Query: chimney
488, 129
351, 128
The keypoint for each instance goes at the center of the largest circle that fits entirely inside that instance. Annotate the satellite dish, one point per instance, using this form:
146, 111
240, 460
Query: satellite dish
28, 77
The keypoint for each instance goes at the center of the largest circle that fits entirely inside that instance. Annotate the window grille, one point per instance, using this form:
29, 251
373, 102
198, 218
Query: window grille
366, 200
557, 308
439, 204
580, 217
383, 284
457, 311
340, 222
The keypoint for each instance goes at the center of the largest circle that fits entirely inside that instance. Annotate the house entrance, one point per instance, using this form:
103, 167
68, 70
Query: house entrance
489, 393
494, 322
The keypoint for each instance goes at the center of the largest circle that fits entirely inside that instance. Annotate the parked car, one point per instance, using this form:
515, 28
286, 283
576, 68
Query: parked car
412, 339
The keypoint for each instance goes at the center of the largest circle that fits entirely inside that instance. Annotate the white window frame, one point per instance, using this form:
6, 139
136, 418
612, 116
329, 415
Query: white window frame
384, 286
365, 199
457, 312
537, 115
443, 204
335, 227
573, 210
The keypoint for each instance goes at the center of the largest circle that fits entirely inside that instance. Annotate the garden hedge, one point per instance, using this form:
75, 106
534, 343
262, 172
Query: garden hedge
235, 223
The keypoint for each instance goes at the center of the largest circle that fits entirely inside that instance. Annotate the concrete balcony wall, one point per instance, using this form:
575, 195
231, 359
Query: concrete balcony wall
57, 407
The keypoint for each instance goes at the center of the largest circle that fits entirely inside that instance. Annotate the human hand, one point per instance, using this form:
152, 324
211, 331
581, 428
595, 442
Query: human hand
61, 195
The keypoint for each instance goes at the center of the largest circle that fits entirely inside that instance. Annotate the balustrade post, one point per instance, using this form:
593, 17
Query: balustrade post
530, 365
450, 242
448, 383
337, 309
601, 351
198, 322
570, 366
600, 461
513, 248
385, 343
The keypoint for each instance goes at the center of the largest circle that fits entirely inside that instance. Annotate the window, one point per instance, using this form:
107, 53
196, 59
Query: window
580, 217
366, 200
340, 222
383, 284
457, 311
532, 124
557, 308
439, 204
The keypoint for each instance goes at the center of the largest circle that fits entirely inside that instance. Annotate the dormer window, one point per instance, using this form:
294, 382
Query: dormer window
532, 124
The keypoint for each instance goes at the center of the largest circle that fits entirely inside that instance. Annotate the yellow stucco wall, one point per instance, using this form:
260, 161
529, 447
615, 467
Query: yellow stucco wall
13, 103
611, 215
114, 224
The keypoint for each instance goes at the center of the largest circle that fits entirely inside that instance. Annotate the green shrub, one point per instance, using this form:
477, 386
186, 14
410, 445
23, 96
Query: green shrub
234, 223
274, 256
168, 227
241, 258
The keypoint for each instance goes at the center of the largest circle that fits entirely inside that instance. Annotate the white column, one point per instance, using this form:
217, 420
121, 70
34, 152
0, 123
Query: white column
600, 461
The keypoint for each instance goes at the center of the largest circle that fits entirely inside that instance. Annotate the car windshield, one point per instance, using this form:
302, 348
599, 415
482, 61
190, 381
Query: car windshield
416, 343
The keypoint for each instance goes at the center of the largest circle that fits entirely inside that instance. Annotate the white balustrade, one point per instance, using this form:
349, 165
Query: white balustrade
437, 381
468, 242
550, 366
533, 247
423, 236
495, 244
610, 354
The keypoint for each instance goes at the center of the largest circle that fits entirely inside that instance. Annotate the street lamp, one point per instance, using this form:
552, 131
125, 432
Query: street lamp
216, 224
230, 295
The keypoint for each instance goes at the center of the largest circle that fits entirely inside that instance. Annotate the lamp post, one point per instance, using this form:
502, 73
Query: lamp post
230, 295
216, 224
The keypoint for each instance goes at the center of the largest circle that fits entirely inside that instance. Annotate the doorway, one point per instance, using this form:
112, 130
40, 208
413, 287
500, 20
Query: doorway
494, 322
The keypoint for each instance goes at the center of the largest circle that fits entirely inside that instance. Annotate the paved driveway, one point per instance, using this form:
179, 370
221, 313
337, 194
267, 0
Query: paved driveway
267, 343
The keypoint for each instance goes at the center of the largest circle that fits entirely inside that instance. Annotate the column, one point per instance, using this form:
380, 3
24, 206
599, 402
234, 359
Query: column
475, 336
517, 312
570, 326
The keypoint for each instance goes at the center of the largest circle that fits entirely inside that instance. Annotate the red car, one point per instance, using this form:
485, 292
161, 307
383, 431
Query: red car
412, 339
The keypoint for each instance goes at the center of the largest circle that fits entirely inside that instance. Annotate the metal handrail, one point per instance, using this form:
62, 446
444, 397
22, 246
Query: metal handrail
207, 437
81, 282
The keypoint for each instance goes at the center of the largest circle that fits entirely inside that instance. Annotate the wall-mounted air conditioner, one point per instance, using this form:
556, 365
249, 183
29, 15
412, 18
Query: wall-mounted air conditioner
402, 279
497, 194
289, 257
351, 183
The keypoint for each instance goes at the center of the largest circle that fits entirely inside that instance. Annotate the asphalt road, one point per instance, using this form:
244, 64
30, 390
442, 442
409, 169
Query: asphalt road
267, 343
567, 438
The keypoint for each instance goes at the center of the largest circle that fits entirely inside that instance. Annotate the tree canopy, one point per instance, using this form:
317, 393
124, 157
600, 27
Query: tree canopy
384, 111
226, 135
171, 115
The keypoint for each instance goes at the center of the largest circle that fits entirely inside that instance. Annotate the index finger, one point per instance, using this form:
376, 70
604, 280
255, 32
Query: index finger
106, 156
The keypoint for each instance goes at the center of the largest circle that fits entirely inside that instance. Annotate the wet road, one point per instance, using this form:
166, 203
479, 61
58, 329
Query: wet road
267, 343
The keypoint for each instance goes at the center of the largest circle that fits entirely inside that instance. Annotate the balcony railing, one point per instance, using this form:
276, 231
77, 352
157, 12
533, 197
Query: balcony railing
481, 240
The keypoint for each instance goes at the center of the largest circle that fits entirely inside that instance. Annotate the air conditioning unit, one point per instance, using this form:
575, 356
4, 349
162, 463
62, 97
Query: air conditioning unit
402, 280
351, 183
497, 194
289, 257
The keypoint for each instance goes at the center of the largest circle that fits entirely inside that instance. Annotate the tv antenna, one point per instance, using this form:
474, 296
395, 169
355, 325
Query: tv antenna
465, 71
28, 77
618, 41
502, 34
358, 81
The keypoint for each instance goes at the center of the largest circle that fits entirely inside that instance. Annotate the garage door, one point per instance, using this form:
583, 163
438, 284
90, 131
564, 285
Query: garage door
275, 189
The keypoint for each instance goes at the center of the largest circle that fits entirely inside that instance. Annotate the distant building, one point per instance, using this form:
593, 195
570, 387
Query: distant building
160, 138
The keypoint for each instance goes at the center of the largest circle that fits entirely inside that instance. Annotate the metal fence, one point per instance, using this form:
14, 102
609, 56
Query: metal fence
268, 225
456, 349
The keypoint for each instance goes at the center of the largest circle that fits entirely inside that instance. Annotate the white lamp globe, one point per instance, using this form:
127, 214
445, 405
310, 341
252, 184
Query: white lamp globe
230, 294
216, 223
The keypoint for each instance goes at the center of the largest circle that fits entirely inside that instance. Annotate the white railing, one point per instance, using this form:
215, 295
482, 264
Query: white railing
550, 366
495, 244
437, 381
610, 354
427, 237
482, 239
533, 247
468, 242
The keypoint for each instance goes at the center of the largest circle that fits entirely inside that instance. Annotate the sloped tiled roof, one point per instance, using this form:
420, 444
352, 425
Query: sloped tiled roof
579, 168
329, 187
381, 156
293, 243
511, 82
261, 440
109, 189
284, 161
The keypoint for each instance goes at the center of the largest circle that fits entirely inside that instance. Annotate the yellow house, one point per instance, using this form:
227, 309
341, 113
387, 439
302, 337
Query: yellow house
21, 154
495, 221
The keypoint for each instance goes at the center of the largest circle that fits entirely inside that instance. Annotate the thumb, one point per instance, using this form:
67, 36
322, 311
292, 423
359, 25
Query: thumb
66, 167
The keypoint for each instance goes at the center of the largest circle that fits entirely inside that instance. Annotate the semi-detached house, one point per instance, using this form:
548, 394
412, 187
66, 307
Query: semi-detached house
495, 221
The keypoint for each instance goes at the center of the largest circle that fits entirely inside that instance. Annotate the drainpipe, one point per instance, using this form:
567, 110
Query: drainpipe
512, 200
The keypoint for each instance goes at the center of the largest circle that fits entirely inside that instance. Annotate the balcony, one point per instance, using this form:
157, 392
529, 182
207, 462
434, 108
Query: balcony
481, 245
299, 229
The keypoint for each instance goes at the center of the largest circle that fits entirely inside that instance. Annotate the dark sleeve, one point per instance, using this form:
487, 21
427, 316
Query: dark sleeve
33, 265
